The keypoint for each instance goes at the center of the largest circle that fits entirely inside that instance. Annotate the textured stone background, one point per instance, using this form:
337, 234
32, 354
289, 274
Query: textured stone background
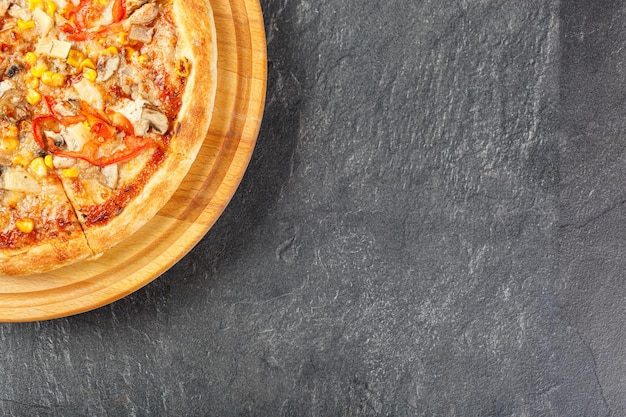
433, 224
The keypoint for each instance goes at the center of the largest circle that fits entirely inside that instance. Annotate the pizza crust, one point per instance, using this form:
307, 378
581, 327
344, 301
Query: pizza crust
45, 256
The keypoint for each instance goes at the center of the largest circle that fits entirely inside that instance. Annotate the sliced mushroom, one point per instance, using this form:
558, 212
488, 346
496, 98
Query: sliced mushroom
12, 71
132, 5
13, 106
107, 67
140, 33
157, 120
144, 15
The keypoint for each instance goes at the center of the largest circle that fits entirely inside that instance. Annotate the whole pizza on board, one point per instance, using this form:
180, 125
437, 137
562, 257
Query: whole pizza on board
104, 105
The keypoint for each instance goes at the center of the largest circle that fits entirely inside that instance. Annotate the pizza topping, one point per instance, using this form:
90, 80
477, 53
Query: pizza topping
107, 66
43, 20
25, 225
53, 48
157, 120
140, 33
145, 15
17, 179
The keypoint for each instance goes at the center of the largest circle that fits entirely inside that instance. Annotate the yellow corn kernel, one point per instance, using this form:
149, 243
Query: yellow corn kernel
111, 50
90, 74
20, 160
182, 69
9, 144
25, 225
32, 82
49, 161
33, 97
74, 58
143, 59
53, 79
25, 24
70, 172
39, 69
38, 167
86, 63
30, 58
52, 8
33, 4
11, 131
122, 38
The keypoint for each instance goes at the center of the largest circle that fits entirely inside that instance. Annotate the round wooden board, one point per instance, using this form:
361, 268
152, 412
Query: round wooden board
205, 192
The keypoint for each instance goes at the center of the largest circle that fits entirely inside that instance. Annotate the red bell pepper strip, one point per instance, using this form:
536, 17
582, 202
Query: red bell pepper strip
103, 127
119, 10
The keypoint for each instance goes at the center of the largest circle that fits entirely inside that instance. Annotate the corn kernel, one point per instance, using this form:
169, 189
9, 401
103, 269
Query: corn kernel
39, 69
130, 52
25, 24
33, 4
58, 80
111, 50
70, 172
48, 161
25, 225
87, 63
32, 82
33, 97
90, 74
11, 131
182, 69
53, 79
38, 167
9, 144
20, 160
122, 38
52, 8
143, 59
74, 58
30, 58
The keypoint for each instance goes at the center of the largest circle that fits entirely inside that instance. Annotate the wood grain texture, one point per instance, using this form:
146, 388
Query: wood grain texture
195, 207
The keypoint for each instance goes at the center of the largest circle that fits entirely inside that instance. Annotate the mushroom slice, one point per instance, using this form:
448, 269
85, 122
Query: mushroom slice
132, 5
157, 120
144, 15
140, 33
107, 67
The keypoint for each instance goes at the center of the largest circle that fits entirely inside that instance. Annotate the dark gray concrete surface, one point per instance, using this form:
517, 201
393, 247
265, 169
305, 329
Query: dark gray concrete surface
433, 224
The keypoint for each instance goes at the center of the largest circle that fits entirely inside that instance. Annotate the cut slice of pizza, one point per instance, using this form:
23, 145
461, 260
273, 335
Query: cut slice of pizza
39, 230
126, 130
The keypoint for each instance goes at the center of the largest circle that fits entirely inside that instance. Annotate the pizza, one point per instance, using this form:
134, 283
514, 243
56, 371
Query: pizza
104, 105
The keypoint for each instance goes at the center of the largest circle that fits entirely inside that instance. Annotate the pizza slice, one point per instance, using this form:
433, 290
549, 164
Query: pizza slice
127, 136
39, 230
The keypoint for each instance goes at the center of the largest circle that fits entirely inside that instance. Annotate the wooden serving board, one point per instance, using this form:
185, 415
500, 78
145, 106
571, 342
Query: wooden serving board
202, 197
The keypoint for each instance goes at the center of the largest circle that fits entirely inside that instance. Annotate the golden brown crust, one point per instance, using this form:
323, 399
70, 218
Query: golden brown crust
194, 21
44, 257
